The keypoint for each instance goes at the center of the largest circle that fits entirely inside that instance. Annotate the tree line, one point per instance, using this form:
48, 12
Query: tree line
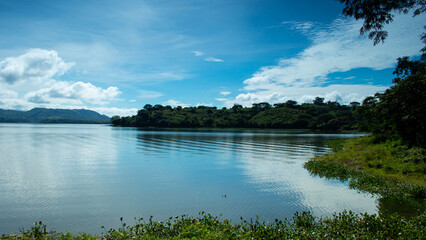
288, 115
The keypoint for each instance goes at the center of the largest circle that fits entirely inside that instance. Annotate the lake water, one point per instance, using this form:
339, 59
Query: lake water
82, 177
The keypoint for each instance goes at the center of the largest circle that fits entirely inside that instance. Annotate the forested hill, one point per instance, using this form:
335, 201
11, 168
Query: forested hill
46, 115
288, 115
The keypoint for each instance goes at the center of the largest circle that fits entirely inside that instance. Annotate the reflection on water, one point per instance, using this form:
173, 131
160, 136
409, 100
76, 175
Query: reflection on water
80, 177
52, 172
402, 207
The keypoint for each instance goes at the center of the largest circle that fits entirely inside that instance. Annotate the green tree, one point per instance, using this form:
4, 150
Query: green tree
377, 13
147, 107
354, 105
262, 106
236, 107
115, 120
399, 113
291, 104
404, 104
319, 101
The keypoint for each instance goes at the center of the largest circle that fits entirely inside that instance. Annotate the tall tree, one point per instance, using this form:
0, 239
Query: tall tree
398, 113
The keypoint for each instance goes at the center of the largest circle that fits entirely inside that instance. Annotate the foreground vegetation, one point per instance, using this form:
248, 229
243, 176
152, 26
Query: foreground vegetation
345, 225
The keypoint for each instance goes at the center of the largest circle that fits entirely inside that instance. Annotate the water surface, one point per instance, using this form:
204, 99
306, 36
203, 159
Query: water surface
82, 177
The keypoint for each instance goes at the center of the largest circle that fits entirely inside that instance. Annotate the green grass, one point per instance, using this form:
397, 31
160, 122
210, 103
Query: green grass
336, 145
345, 225
390, 160
392, 171
364, 181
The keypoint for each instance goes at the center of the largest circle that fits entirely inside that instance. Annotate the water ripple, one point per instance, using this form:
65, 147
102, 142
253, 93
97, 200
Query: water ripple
80, 177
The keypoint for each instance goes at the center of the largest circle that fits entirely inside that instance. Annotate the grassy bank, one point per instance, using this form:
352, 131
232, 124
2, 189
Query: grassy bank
392, 171
390, 160
345, 225
364, 181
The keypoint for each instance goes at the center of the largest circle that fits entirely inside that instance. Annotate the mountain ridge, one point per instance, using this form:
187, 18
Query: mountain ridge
45, 115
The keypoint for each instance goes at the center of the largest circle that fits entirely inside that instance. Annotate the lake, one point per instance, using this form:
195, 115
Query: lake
82, 177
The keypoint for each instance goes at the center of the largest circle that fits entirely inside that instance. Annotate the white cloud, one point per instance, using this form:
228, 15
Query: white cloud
250, 98
336, 48
337, 92
204, 104
334, 96
212, 59
162, 77
149, 94
340, 48
21, 104
112, 111
75, 93
223, 99
92, 56
35, 70
225, 93
198, 53
6, 93
15, 103
35, 65
175, 103
303, 27
208, 59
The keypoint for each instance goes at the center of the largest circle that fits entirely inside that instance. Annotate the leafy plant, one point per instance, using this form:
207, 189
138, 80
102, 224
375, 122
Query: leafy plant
344, 225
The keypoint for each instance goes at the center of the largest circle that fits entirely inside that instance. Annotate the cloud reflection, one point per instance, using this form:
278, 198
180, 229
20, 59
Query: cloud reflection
283, 174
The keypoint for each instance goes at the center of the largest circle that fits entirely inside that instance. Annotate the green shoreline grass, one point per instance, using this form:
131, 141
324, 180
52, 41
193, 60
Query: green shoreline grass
386, 169
393, 172
345, 225
390, 160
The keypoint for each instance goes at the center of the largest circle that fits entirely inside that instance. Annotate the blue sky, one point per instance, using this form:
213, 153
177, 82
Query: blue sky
116, 56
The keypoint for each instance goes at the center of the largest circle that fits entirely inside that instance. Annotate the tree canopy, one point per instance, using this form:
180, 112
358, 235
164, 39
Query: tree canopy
378, 13
399, 112
288, 115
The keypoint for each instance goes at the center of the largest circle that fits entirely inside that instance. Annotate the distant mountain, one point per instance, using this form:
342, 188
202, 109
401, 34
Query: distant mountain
47, 115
